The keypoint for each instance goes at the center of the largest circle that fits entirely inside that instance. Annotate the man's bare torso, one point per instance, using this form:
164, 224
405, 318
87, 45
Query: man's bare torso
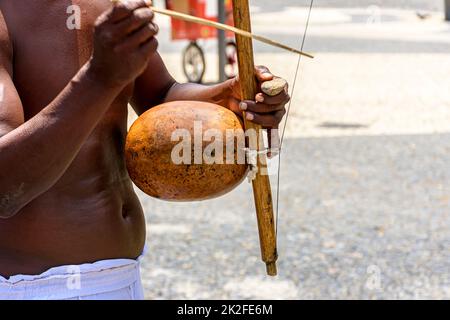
92, 212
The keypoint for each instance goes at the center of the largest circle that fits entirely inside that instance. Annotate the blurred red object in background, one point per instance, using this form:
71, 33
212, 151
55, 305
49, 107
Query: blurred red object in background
207, 9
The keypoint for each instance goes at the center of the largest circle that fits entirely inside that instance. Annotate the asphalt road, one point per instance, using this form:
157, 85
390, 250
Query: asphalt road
360, 218
364, 210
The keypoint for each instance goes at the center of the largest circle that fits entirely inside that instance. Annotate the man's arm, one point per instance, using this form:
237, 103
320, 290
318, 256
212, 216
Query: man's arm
156, 86
34, 154
152, 86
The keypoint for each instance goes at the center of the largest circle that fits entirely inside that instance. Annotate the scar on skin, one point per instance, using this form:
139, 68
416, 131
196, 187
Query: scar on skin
7, 201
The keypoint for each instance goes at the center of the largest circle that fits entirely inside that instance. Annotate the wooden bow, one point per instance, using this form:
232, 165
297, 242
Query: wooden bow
261, 184
224, 27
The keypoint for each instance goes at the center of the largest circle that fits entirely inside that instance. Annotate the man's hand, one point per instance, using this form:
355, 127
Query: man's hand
265, 110
124, 41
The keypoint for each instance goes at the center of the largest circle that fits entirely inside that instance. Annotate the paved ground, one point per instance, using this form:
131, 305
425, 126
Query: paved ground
365, 185
405, 4
360, 217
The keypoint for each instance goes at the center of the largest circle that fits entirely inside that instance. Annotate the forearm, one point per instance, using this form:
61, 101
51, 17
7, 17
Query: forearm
35, 155
218, 94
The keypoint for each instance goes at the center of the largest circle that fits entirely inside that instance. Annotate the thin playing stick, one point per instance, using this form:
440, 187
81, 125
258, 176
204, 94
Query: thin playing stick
224, 27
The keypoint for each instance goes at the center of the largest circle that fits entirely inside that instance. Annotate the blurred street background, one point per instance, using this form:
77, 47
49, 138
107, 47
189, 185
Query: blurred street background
364, 206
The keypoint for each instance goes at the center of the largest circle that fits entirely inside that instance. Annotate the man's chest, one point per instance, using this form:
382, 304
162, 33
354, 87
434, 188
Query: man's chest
52, 39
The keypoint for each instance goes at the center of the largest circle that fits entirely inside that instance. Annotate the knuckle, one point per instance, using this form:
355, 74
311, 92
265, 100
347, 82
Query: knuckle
263, 107
134, 4
268, 123
274, 119
121, 7
150, 13
278, 107
263, 69
251, 105
143, 15
150, 29
152, 45
155, 43
135, 19
280, 115
155, 28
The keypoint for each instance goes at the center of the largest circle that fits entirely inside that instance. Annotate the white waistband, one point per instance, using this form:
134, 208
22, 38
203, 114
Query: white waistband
68, 281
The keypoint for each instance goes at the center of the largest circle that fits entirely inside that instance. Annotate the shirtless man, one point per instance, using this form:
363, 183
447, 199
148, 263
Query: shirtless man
65, 195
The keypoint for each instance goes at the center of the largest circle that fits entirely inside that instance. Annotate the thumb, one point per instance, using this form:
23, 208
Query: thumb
263, 74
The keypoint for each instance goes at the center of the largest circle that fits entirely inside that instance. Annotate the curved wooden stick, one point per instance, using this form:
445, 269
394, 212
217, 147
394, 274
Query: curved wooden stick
261, 184
224, 27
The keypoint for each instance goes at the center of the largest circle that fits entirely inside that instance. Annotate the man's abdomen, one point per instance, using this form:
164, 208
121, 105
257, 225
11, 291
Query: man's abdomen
90, 214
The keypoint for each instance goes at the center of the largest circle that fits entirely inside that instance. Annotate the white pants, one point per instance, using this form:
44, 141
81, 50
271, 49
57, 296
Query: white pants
115, 279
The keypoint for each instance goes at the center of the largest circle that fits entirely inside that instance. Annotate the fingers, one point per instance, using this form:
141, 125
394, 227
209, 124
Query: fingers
135, 21
281, 98
149, 47
252, 106
268, 104
268, 113
270, 120
263, 74
129, 26
123, 9
138, 38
